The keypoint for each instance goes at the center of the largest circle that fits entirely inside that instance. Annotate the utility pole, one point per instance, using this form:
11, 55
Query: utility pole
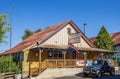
10, 37
10, 26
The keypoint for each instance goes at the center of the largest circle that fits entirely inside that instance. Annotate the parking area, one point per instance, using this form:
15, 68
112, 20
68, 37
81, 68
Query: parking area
80, 76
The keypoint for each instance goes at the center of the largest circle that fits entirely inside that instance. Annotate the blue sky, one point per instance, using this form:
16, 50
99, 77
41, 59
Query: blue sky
34, 14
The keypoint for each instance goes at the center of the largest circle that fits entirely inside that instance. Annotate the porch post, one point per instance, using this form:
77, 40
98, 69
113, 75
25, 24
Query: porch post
64, 52
102, 55
85, 55
40, 52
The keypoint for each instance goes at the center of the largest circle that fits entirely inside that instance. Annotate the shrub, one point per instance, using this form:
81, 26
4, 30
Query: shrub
7, 64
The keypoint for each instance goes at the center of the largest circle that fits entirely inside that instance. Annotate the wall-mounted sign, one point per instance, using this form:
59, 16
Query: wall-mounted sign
80, 63
74, 38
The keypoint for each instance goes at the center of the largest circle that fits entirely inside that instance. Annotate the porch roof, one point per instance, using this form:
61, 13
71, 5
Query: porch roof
82, 49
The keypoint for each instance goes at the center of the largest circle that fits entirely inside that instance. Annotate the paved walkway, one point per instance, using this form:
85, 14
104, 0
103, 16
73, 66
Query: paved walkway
58, 72
67, 73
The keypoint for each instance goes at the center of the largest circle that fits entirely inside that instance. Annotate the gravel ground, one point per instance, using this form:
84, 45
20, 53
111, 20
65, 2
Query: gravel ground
80, 76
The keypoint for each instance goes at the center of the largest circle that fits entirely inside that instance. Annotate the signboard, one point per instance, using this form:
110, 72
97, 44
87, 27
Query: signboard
80, 63
89, 63
74, 38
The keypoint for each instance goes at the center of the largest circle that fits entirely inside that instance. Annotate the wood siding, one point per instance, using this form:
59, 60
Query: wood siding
61, 38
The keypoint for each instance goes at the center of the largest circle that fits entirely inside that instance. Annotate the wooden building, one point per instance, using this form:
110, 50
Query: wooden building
49, 49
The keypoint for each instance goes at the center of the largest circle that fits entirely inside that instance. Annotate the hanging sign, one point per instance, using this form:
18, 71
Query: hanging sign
74, 38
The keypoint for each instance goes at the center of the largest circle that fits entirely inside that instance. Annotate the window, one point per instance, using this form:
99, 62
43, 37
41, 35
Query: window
55, 54
69, 30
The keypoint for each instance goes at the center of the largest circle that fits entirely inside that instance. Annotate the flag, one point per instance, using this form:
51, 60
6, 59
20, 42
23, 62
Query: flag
71, 47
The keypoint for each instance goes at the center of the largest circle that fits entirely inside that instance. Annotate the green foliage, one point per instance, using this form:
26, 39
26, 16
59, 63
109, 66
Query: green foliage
103, 40
37, 30
28, 33
7, 64
3, 27
47, 28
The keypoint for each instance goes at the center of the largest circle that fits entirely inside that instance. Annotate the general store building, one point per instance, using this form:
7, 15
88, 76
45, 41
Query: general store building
49, 49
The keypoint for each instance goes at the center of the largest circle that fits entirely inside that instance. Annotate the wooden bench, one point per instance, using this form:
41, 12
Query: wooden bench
8, 75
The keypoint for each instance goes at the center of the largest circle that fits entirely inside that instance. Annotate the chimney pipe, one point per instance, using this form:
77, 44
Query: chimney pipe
85, 28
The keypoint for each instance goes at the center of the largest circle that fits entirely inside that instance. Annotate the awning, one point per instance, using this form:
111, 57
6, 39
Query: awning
81, 49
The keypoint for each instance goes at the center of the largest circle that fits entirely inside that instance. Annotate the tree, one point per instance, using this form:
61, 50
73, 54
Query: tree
47, 27
103, 40
28, 33
37, 30
3, 27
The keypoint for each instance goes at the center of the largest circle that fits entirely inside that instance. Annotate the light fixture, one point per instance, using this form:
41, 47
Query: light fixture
36, 54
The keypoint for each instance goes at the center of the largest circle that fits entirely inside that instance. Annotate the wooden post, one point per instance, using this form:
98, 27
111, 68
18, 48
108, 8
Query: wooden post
40, 52
102, 55
64, 52
85, 55
56, 64
30, 73
76, 59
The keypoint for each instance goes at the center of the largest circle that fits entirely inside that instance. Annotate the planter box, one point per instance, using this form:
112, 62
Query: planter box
18, 76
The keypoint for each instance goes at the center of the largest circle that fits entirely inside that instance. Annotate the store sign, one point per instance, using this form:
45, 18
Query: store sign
74, 38
80, 63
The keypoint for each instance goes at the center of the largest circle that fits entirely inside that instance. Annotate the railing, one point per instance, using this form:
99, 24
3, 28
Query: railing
36, 71
43, 65
60, 63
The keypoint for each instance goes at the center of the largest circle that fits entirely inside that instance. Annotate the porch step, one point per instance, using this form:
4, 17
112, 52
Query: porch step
58, 72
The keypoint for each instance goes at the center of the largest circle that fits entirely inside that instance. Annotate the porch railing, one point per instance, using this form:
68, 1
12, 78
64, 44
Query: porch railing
60, 63
36, 71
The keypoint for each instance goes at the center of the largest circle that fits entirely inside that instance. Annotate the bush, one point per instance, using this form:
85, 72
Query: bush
7, 64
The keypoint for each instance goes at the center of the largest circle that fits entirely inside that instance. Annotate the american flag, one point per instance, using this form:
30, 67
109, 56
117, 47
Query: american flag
71, 47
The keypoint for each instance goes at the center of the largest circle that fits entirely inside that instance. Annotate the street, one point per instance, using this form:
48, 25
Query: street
80, 76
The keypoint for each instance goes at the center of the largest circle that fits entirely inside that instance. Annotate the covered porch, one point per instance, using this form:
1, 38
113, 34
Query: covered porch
44, 57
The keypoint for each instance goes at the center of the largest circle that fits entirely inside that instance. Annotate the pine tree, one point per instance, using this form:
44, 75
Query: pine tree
27, 33
103, 40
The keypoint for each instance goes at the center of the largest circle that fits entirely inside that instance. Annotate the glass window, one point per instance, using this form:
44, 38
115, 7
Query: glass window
55, 54
97, 62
